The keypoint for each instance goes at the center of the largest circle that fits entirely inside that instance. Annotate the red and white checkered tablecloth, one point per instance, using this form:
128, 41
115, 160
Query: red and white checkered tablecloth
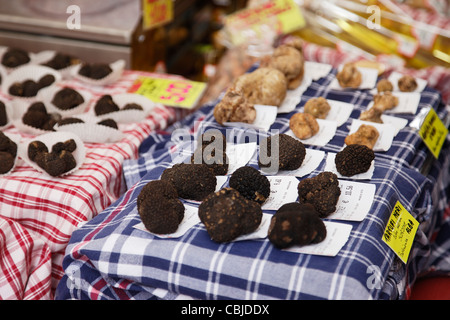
25, 264
39, 213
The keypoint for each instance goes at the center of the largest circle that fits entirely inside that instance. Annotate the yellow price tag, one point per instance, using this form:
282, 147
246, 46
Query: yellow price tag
156, 12
170, 92
433, 132
400, 231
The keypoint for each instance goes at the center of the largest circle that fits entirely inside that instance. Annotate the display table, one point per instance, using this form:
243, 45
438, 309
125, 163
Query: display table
49, 209
110, 258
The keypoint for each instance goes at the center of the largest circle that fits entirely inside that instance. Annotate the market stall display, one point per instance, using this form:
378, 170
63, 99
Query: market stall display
122, 260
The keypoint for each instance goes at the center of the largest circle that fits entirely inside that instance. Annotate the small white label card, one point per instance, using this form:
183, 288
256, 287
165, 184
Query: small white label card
386, 132
293, 97
239, 155
317, 70
354, 202
312, 160
339, 111
408, 102
396, 122
337, 237
283, 189
395, 76
190, 219
265, 117
327, 130
368, 79
330, 165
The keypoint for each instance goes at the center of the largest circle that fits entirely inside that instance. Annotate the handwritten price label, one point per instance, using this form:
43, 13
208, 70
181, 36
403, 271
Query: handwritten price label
433, 133
169, 92
400, 231
156, 12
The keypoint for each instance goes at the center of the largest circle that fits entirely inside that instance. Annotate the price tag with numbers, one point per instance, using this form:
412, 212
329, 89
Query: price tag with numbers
433, 132
170, 92
400, 231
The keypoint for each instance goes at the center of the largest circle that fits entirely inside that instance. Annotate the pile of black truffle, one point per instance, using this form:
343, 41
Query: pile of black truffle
56, 161
8, 152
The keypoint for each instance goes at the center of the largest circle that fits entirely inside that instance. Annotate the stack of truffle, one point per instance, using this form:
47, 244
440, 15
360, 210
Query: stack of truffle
236, 210
56, 161
267, 85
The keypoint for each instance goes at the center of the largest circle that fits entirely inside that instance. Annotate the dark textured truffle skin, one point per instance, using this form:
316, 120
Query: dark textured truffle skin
60, 160
105, 105
227, 215
214, 156
354, 159
95, 70
67, 98
3, 116
15, 57
251, 184
109, 123
292, 152
322, 191
160, 209
6, 162
296, 224
192, 181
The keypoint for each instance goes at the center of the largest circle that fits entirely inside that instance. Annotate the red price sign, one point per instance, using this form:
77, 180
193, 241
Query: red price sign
177, 92
170, 92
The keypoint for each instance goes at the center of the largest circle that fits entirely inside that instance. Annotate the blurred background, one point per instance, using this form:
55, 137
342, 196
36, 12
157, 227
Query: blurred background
196, 38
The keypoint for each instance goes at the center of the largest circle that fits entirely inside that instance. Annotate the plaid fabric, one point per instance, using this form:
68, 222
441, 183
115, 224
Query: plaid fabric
50, 209
25, 264
107, 258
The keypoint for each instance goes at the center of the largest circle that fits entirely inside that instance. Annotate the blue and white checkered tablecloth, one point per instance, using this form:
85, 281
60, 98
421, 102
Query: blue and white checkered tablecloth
108, 258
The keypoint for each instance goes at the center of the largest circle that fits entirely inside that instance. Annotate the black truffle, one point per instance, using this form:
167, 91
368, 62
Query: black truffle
322, 191
160, 209
227, 215
61, 61
30, 88
7, 145
289, 152
37, 117
46, 81
36, 147
109, 123
67, 98
192, 181
95, 71
296, 224
212, 153
105, 105
132, 106
8, 152
3, 115
13, 58
6, 162
69, 120
59, 161
354, 159
251, 184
